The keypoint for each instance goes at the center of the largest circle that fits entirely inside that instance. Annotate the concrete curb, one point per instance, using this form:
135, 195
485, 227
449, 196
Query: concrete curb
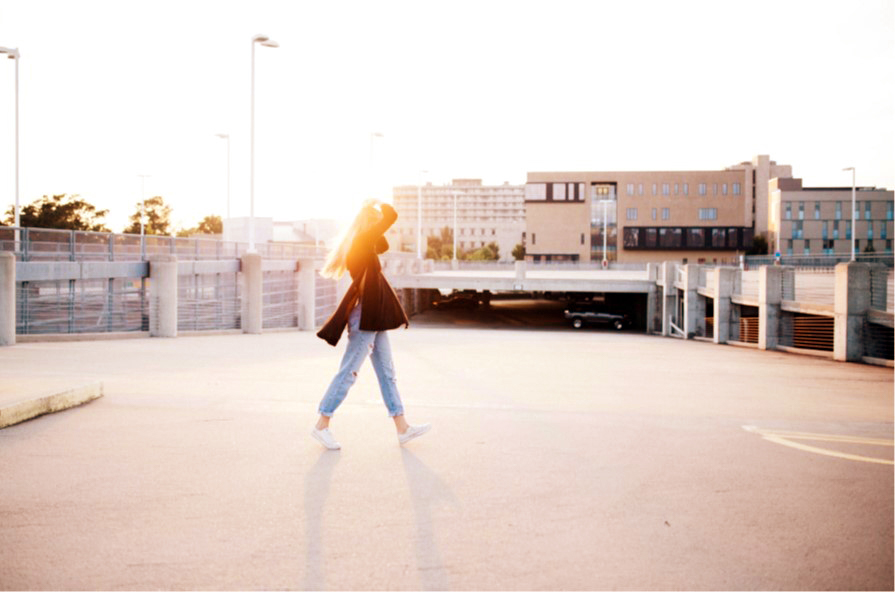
26, 409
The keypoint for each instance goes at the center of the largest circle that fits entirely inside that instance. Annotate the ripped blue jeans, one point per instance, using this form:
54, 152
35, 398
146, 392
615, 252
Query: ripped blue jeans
360, 344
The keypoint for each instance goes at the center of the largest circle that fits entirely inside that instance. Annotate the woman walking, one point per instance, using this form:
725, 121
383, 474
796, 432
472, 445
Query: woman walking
369, 308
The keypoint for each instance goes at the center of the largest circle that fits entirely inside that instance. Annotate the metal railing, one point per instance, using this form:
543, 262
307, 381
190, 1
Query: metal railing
755, 261
280, 299
45, 244
81, 306
209, 302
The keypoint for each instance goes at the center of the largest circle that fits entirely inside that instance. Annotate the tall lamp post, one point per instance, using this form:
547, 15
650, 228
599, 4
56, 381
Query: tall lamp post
854, 230
13, 54
419, 217
266, 42
227, 137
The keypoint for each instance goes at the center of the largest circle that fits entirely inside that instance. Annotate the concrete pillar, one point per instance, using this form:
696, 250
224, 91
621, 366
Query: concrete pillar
770, 292
163, 296
7, 299
307, 295
667, 273
723, 288
652, 308
691, 301
408, 301
252, 294
519, 267
850, 305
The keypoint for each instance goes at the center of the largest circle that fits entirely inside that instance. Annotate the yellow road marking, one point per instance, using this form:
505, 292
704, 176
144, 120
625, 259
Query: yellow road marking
785, 438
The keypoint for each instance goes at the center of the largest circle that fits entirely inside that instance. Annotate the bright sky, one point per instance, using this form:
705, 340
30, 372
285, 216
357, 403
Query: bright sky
482, 89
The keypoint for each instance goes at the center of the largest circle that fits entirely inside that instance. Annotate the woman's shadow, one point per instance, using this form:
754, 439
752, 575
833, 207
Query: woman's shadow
317, 485
427, 491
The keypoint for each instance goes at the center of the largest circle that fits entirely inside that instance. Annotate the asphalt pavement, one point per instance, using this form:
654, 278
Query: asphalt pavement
559, 459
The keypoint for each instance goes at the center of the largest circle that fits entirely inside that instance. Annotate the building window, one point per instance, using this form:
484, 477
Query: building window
664, 188
724, 189
787, 211
801, 210
797, 229
535, 192
582, 238
870, 229
655, 189
889, 205
825, 231
686, 189
630, 189
817, 210
677, 188
708, 213
848, 230
867, 210
670, 237
652, 237
719, 238
828, 247
631, 214
559, 192
533, 241
696, 237
857, 210
631, 237
654, 213
702, 189
736, 189
789, 247
666, 214
807, 250
882, 230
839, 210
889, 246
640, 189
836, 230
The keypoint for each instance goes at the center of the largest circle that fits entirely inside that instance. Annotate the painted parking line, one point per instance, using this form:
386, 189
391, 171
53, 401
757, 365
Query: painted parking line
791, 439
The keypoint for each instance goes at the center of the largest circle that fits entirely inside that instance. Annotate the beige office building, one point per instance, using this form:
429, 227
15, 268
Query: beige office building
484, 214
695, 216
818, 220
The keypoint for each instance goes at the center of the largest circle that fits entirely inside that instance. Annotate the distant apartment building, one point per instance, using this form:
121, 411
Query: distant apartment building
649, 215
818, 220
484, 214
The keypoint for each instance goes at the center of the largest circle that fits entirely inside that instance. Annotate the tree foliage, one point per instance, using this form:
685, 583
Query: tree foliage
759, 245
490, 252
441, 247
64, 211
208, 225
519, 252
157, 217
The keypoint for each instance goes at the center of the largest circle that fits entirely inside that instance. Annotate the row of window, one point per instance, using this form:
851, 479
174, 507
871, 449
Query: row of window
788, 210
677, 237
798, 230
684, 189
704, 213
828, 247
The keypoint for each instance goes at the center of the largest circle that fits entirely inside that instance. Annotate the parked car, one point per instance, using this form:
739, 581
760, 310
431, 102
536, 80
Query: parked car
458, 300
581, 316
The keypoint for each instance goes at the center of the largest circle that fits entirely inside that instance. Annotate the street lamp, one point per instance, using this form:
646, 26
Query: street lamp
854, 230
13, 54
419, 217
605, 203
266, 42
455, 227
227, 137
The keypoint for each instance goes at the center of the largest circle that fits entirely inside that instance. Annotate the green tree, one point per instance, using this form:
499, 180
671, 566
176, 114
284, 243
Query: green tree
64, 211
490, 252
441, 247
157, 217
519, 252
759, 245
208, 225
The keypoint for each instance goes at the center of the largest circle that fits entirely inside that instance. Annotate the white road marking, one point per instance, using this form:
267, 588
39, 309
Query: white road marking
786, 438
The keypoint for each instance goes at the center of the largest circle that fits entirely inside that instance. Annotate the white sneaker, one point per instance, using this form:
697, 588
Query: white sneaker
414, 432
326, 438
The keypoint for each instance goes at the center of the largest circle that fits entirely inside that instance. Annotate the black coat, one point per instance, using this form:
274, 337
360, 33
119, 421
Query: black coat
380, 308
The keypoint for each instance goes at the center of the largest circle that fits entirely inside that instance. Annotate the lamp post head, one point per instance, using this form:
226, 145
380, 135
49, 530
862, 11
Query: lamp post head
223, 136
12, 52
265, 41
848, 169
